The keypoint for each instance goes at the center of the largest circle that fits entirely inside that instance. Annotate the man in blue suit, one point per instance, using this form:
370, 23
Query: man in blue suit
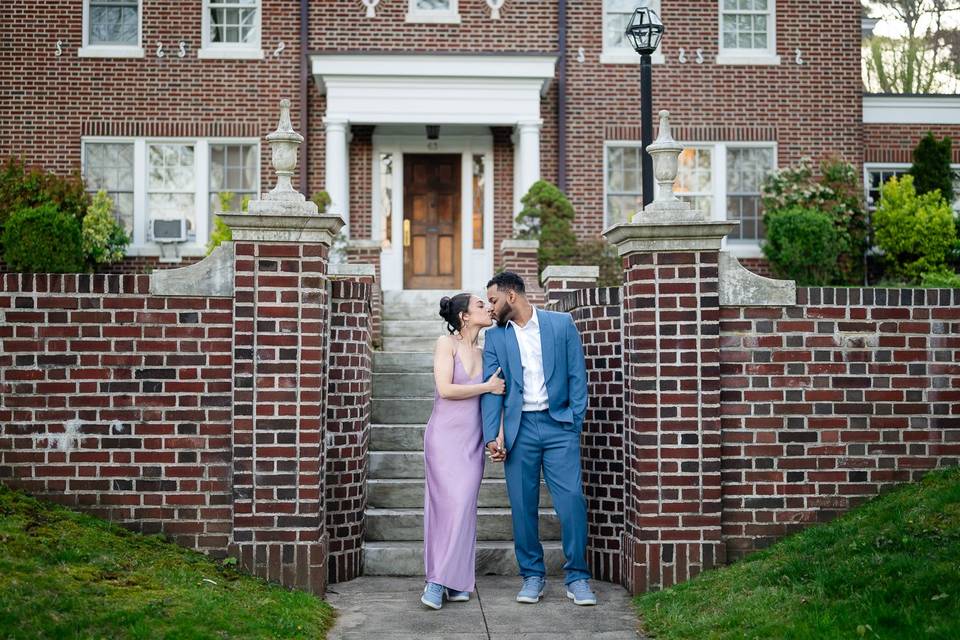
541, 359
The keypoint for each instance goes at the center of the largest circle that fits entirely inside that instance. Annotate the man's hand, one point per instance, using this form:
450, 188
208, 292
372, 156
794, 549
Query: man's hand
495, 450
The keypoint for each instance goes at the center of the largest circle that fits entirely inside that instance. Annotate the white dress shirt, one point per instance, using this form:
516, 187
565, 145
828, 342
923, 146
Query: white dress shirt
531, 357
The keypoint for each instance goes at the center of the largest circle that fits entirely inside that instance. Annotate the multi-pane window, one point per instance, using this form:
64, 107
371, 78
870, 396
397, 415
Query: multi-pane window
432, 5
108, 166
624, 184
694, 183
233, 22
233, 169
616, 15
746, 168
876, 176
745, 25
433, 11
171, 190
113, 22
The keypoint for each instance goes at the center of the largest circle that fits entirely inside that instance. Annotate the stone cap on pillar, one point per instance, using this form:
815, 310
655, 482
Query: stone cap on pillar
575, 273
283, 214
668, 223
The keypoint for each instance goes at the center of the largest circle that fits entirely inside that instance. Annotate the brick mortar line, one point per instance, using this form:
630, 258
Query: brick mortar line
253, 398
656, 331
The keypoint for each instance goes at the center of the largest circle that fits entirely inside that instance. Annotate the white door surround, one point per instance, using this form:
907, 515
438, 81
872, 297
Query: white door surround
422, 89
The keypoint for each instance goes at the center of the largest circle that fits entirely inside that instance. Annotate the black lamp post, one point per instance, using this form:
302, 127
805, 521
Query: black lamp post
644, 32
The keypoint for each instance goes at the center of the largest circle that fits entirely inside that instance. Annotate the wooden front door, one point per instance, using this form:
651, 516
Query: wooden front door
431, 221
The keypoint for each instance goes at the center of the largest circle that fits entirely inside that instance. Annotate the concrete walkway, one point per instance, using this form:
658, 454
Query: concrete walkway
389, 608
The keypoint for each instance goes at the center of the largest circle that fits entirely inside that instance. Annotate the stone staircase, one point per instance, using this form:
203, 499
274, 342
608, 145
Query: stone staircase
403, 390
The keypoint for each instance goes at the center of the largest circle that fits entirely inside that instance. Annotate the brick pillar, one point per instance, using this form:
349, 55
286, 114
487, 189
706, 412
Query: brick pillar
520, 256
671, 355
558, 280
367, 253
348, 420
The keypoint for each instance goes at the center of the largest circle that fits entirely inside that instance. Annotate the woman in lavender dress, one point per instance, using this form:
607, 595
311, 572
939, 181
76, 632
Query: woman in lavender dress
453, 452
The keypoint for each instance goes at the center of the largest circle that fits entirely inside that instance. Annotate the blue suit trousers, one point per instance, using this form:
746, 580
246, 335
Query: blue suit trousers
543, 443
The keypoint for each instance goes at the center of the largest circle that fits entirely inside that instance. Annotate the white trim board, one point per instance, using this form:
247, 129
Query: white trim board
911, 109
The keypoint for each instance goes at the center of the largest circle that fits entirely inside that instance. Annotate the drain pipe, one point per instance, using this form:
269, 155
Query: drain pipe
562, 97
304, 77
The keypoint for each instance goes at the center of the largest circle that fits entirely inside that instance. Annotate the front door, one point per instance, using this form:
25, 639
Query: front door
431, 221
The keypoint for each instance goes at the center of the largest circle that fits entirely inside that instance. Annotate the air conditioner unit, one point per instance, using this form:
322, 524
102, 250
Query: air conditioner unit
172, 230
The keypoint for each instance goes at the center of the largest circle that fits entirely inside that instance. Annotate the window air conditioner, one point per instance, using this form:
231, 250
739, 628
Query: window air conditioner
174, 230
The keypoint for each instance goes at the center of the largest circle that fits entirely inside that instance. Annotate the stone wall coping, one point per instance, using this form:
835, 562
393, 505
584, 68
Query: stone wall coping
363, 244
211, 277
570, 272
740, 287
347, 270
693, 235
513, 243
283, 228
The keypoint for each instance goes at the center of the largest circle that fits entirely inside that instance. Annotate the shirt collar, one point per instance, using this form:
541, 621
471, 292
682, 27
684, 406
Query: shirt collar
534, 320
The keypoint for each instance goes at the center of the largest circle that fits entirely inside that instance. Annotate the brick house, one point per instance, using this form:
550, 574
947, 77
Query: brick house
449, 103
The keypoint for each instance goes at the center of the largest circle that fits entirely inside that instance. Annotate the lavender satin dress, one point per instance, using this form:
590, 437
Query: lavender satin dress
453, 452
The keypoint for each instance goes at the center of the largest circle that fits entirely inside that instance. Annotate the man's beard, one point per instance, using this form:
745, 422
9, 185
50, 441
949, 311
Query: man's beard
504, 316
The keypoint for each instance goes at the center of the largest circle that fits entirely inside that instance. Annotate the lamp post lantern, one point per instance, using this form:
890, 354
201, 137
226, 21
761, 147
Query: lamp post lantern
644, 32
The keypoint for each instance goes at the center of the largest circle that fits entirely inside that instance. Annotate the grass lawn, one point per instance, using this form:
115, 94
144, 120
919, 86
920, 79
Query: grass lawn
68, 575
888, 569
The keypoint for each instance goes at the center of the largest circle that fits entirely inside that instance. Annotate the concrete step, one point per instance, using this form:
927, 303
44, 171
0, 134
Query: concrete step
397, 437
415, 328
386, 465
401, 410
420, 304
403, 385
403, 362
493, 558
408, 344
408, 494
492, 524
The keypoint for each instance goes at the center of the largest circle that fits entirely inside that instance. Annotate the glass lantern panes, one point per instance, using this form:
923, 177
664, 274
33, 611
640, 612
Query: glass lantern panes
616, 15
113, 22
746, 168
171, 183
233, 169
109, 167
233, 21
746, 24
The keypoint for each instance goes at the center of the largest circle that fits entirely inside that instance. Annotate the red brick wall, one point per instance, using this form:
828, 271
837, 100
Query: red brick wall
348, 426
596, 313
827, 403
147, 382
895, 142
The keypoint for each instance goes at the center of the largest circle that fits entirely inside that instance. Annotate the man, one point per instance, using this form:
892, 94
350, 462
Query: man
541, 358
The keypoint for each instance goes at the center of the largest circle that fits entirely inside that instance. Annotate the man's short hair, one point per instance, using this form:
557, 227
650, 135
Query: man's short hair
508, 281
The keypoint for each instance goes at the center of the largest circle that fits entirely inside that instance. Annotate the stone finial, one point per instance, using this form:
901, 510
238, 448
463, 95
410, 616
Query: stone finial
284, 144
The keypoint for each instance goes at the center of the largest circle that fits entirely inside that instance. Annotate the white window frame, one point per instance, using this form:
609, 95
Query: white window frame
450, 16
88, 50
230, 50
626, 55
767, 56
899, 166
139, 245
739, 248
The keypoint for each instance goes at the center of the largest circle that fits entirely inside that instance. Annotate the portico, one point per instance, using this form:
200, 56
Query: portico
432, 197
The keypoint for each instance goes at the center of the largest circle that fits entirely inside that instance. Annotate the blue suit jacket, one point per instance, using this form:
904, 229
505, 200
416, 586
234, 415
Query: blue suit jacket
563, 367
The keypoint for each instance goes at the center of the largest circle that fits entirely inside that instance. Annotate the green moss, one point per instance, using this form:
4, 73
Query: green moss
889, 569
68, 575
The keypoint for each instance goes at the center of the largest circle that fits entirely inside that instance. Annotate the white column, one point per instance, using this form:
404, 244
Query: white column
337, 169
528, 140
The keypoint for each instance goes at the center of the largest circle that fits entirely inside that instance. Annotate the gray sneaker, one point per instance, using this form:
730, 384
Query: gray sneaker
532, 589
579, 591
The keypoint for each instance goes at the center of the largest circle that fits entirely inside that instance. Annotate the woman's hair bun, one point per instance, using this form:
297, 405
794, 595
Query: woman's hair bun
444, 306
452, 307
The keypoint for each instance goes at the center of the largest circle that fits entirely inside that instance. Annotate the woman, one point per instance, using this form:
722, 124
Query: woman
453, 452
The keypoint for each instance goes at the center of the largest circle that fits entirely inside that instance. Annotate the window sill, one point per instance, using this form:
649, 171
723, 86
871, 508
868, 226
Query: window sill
216, 53
748, 59
110, 51
628, 57
426, 18
184, 250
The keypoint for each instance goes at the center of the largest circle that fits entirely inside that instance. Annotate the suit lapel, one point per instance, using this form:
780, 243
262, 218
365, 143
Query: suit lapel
513, 356
547, 345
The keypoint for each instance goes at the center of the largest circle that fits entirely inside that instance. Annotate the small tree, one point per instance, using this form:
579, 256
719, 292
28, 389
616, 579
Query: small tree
802, 245
931, 166
104, 240
26, 187
43, 239
547, 215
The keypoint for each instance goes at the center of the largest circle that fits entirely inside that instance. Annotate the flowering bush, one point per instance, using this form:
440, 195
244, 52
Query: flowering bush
103, 239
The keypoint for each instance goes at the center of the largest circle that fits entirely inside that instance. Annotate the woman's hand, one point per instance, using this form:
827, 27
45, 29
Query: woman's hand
495, 384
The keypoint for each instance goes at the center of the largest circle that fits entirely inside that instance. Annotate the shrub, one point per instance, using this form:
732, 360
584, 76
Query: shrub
547, 215
941, 280
836, 193
23, 187
221, 232
915, 232
43, 239
322, 200
931, 166
802, 245
104, 240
